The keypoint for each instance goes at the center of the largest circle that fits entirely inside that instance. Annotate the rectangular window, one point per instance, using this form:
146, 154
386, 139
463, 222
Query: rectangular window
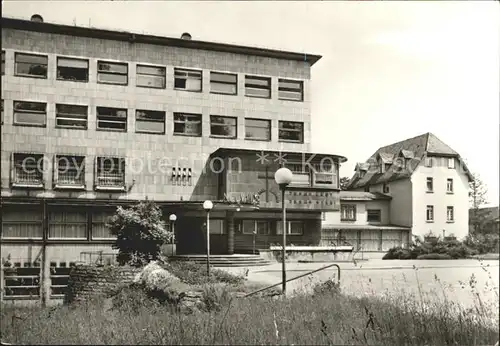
385, 188
430, 213
217, 226
258, 86
347, 212
112, 73
149, 121
187, 124
291, 131
151, 76
449, 185
373, 215
3, 62
450, 214
293, 227
258, 129
110, 173
186, 79
222, 126
430, 184
428, 162
324, 174
26, 223
69, 172
257, 227
451, 163
223, 83
30, 113
290, 90
71, 116
71, 224
71, 69
27, 170
31, 65
98, 226
301, 174
111, 119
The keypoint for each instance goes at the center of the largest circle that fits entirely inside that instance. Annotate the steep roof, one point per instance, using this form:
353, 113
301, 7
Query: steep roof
413, 150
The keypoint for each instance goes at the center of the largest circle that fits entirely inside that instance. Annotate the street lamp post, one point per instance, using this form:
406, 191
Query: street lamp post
283, 178
172, 219
208, 205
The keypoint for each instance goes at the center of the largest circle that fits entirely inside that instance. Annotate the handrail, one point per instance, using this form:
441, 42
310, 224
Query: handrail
295, 278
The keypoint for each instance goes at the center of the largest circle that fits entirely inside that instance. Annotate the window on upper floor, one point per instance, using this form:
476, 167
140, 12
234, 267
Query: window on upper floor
27, 170
257, 227
430, 213
30, 113
222, 126
385, 188
373, 215
451, 162
69, 172
71, 69
3, 62
112, 72
187, 124
258, 129
256, 86
348, 212
187, 79
150, 76
450, 214
293, 227
430, 184
291, 90
449, 185
315, 174
301, 173
68, 224
71, 116
428, 161
367, 189
110, 173
149, 121
291, 131
111, 119
30, 65
223, 83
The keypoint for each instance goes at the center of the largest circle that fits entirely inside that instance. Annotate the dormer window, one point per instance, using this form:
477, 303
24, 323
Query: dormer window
384, 162
451, 163
428, 162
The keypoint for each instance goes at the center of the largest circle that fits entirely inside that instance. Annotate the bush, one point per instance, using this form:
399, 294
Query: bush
140, 232
132, 299
435, 256
215, 297
195, 274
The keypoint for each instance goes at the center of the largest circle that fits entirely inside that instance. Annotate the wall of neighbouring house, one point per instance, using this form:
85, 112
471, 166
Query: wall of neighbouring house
334, 217
440, 199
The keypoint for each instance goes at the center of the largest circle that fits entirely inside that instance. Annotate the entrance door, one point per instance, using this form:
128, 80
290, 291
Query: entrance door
190, 238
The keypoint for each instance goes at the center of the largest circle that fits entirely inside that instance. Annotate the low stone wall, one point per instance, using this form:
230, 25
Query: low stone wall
296, 256
90, 281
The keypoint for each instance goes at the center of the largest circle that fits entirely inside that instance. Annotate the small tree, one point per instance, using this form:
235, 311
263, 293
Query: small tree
140, 232
477, 198
344, 182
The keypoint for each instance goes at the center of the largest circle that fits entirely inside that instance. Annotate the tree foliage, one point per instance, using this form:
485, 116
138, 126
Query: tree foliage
344, 182
140, 232
477, 198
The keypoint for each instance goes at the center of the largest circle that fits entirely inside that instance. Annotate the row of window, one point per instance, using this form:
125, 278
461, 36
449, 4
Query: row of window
348, 213
430, 185
258, 227
152, 76
148, 121
450, 213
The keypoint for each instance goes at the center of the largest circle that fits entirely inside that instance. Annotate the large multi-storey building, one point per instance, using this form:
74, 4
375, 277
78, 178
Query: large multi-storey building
421, 186
93, 119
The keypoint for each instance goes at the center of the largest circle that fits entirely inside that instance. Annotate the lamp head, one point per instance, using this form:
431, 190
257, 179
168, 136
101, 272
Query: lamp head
172, 217
283, 176
208, 205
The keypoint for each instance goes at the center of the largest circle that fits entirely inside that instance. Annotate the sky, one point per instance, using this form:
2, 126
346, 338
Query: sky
390, 70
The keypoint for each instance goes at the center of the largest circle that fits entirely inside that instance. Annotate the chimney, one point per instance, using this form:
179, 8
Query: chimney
37, 18
186, 36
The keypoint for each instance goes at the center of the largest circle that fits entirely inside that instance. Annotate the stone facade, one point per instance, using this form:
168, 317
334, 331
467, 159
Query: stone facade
89, 281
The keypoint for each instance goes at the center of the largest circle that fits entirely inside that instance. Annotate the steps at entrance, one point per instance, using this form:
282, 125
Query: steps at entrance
238, 260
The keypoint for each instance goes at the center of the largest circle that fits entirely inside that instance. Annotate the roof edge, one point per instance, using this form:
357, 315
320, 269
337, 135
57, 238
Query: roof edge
63, 29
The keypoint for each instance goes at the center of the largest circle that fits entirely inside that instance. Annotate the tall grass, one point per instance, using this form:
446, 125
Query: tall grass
328, 318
